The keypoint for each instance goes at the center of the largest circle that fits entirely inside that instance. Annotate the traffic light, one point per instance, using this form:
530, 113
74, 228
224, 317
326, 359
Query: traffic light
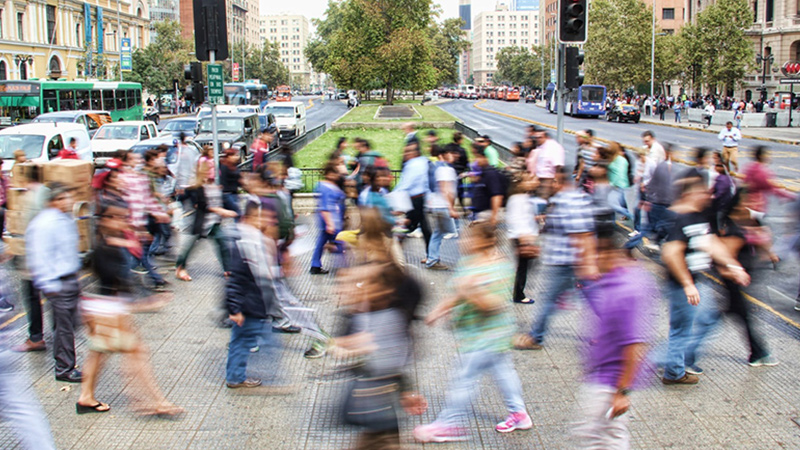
572, 21
193, 71
211, 29
195, 92
573, 75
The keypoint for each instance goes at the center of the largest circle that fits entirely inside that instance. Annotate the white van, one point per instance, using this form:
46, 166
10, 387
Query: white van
41, 142
290, 116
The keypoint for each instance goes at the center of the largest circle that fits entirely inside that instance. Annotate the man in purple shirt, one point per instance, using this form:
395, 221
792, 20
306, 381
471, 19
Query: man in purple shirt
621, 299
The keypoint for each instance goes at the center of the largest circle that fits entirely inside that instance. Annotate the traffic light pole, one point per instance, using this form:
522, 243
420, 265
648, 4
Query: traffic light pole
560, 90
214, 131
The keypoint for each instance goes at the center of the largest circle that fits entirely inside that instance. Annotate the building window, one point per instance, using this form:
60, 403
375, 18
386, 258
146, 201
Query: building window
770, 13
23, 70
1, 25
54, 67
20, 23
524, 18
669, 31
3, 71
668, 13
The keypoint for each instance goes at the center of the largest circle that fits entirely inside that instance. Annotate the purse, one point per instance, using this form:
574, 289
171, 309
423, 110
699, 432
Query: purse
109, 325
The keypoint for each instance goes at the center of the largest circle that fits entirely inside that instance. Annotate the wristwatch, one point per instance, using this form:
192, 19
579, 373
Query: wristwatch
623, 391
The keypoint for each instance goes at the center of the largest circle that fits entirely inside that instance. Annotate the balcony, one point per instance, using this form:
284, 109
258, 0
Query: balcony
241, 4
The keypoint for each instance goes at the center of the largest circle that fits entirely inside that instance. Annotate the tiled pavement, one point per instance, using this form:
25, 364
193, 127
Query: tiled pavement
734, 407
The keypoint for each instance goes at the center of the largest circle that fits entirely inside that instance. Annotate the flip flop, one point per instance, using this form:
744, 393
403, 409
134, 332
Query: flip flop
83, 409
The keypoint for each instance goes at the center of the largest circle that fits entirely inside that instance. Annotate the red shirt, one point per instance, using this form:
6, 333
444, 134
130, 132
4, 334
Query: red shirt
67, 153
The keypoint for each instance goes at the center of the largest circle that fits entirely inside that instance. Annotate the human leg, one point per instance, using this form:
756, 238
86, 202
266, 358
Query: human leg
740, 308
617, 202
436, 238
22, 409
33, 302
91, 372
557, 280
596, 431
463, 389
243, 338
65, 319
322, 239
188, 246
502, 367
706, 317
681, 317
521, 278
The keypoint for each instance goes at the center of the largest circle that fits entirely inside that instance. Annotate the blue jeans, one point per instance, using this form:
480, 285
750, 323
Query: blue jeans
617, 202
678, 116
322, 239
557, 280
659, 222
144, 261
443, 224
231, 203
466, 386
688, 327
21, 408
242, 340
160, 238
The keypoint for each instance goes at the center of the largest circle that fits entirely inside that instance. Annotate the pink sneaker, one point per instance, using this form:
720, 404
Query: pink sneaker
434, 432
515, 421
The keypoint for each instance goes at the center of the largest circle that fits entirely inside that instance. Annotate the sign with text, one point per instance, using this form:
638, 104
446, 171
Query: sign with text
235, 74
215, 82
126, 60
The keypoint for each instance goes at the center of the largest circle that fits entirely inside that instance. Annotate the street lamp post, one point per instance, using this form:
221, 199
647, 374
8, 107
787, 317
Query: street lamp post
653, 52
765, 62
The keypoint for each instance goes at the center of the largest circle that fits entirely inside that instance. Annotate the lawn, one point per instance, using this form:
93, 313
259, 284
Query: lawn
366, 114
387, 142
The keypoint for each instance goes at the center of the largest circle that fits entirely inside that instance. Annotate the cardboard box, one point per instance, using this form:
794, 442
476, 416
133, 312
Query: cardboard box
15, 245
72, 172
15, 198
84, 235
82, 194
18, 173
15, 222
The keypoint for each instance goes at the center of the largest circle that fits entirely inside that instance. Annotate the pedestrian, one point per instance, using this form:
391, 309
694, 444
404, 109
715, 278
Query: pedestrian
262, 146
108, 313
569, 228
708, 113
230, 178
249, 293
207, 160
622, 304
69, 152
52, 258
618, 177
157, 175
658, 195
329, 205
440, 203
760, 181
523, 230
677, 108
411, 134
460, 163
415, 181
484, 325
491, 153
544, 162
730, 137
662, 108
488, 188
206, 198
587, 158
691, 249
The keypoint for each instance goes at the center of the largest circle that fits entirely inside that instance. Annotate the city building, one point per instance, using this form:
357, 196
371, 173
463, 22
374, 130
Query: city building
242, 20
524, 5
465, 59
670, 14
161, 10
63, 39
290, 32
495, 30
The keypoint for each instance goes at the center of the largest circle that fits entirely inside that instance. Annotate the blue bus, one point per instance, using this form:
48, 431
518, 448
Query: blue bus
587, 100
247, 93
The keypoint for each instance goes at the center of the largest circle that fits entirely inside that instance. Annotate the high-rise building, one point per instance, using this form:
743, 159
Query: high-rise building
50, 39
465, 14
525, 5
242, 18
495, 30
290, 32
465, 59
161, 10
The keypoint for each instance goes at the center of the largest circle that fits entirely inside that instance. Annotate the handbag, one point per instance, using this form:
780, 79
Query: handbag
109, 325
371, 402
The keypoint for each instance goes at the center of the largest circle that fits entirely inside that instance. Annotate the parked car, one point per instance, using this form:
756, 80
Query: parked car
185, 125
265, 120
120, 136
151, 114
41, 142
291, 118
624, 113
171, 143
530, 98
234, 130
92, 120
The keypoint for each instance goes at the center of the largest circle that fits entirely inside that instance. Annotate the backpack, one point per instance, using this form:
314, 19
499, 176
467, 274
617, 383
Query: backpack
432, 166
631, 168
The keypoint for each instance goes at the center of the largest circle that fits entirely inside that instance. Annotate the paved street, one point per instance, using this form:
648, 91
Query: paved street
734, 407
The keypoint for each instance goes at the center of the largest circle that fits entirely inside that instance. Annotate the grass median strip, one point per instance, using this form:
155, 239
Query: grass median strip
366, 114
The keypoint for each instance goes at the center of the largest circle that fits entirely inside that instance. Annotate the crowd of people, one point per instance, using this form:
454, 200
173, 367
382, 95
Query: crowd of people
700, 219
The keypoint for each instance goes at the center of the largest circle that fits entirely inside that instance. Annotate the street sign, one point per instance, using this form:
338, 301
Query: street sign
790, 80
235, 74
552, 76
126, 61
215, 91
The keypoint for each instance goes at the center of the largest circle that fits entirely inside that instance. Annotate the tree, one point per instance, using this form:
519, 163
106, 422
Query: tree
715, 48
364, 44
449, 43
156, 65
519, 66
265, 64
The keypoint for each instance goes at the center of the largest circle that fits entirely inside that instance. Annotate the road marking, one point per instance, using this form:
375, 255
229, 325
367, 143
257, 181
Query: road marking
789, 168
23, 314
749, 297
605, 141
310, 104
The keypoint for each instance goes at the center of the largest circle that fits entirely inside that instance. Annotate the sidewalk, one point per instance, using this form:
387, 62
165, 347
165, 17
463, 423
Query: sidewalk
734, 406
784, 135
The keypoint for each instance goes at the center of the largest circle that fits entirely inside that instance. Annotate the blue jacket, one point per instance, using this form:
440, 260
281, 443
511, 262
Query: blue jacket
247, 292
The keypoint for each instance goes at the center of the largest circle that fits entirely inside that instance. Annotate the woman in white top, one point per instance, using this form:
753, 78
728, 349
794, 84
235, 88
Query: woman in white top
522, 229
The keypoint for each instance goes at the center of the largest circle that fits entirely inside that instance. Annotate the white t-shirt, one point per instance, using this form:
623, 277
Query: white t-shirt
445, 174
521, 216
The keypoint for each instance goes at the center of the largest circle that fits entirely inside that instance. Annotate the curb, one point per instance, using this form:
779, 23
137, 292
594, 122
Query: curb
705, 130
605, 141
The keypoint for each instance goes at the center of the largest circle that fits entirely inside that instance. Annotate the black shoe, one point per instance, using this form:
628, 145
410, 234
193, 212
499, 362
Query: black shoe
161, 286
319, 271
291, 329
74, 376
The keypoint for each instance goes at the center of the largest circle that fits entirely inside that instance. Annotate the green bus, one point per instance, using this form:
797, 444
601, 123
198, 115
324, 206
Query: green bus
21, 101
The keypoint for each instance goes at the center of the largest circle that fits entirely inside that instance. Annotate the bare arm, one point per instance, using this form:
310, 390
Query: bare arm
631, 357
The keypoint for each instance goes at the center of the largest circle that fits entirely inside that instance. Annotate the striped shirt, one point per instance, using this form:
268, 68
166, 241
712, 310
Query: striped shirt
571, 212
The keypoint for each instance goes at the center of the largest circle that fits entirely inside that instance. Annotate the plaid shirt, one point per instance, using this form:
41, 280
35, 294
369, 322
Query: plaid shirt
140, 199
571, 212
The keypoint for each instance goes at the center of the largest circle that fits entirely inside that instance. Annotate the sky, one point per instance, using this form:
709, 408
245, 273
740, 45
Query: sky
315, 9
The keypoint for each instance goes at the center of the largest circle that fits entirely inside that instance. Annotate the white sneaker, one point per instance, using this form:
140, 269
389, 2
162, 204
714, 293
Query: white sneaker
450, 235
633, 233
415, 234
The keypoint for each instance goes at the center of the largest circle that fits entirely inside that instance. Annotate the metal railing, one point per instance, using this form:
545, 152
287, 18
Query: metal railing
295, 144
311, 177
505, 154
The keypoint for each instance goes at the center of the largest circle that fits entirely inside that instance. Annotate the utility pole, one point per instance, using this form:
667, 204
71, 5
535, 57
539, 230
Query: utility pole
214, 131
560, 78
119, 43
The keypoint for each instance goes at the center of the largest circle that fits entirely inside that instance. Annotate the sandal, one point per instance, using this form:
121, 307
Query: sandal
165, 412
525, 342
182, 275
98, 408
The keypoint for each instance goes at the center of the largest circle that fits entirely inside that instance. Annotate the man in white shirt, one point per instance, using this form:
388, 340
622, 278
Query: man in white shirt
545, 160
730, 137
441, 205
708, 113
